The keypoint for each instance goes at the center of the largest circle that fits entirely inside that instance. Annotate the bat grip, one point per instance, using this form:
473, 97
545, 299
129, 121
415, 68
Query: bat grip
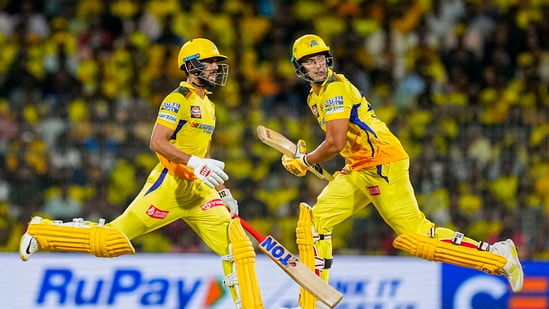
251, 230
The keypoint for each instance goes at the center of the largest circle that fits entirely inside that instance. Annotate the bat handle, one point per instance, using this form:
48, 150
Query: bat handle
251, 230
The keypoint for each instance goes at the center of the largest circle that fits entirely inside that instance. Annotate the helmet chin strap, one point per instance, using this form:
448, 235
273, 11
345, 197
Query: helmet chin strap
203, 83
207, 84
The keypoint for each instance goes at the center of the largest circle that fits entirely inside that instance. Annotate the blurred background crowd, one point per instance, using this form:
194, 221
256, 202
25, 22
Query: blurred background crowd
463, 83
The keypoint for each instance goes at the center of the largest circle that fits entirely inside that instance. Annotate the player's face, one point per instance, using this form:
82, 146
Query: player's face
316, 67
211, 70
213, 73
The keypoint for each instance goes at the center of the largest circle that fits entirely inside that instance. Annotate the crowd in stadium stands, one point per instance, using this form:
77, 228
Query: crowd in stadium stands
463, 83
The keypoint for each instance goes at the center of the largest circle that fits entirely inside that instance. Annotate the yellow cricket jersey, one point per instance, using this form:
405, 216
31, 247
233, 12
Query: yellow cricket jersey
369, 140
193, 121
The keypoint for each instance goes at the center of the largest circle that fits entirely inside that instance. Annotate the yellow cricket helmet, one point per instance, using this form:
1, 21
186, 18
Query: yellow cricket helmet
308, 45
190, 58
198, 49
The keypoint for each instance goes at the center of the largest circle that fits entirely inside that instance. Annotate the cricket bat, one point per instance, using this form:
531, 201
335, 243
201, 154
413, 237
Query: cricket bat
281, 143
290, 264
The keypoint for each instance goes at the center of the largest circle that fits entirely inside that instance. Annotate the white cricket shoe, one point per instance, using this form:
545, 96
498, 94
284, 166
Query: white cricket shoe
512, 269
28, 244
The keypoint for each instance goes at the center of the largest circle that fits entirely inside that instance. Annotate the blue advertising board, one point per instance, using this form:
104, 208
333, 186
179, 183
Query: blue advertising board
472, 289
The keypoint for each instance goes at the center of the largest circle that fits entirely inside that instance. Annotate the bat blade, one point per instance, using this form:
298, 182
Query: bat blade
298, 271
276, 140
284, 145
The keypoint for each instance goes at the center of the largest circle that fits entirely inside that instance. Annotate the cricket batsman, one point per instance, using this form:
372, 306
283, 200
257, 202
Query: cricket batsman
376, 172
186, 184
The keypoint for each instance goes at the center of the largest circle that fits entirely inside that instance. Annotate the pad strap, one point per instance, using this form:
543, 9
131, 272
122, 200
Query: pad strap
458, 238
484, 246
230, 280
228, 258
321, 263
317, 237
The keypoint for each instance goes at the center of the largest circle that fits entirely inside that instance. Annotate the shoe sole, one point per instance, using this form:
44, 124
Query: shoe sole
26, 241
516, 261
24, 247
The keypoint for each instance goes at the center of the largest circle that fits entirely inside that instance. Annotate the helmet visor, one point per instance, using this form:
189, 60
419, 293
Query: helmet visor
204, 71
216, 77
314, 69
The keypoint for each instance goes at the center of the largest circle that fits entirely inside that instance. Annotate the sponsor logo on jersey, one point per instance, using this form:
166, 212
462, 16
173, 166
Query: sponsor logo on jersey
204, 127
196, 112
314, 108
156, 213
212, 203
335, 101
170, 107
334, 105
167, 117
374, 190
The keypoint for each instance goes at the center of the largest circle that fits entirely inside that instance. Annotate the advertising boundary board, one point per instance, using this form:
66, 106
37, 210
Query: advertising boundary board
177, 281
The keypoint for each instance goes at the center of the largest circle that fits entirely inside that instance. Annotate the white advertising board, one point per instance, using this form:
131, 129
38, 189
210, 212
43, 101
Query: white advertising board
178, 281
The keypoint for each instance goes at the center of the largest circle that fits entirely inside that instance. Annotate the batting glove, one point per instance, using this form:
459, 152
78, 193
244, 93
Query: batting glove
229, 201
209, 171
297, 164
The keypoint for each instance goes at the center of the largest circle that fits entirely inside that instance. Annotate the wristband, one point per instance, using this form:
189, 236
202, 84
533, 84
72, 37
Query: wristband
304, 159
224, 193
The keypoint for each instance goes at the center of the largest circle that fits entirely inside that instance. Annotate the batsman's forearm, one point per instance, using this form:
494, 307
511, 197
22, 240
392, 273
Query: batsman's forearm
322, 153
170, 152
